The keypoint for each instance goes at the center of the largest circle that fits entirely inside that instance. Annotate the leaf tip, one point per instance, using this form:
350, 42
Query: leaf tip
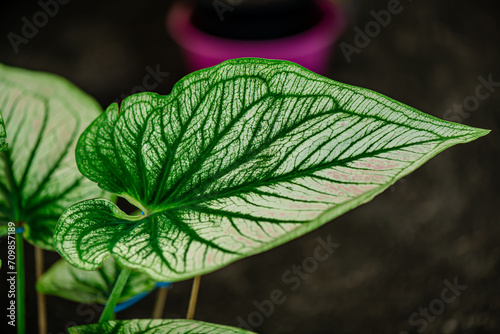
476, 133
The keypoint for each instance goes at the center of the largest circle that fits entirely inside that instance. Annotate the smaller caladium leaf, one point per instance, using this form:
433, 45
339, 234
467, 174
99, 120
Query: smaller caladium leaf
238, 159
3, 134
66, 281
156, 327
44, 115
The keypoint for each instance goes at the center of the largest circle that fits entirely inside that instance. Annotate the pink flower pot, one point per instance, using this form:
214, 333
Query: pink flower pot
311, 48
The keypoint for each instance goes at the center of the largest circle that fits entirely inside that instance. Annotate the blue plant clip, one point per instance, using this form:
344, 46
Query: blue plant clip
126, 304
163, 284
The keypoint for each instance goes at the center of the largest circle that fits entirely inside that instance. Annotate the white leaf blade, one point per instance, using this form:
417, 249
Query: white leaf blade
257, 153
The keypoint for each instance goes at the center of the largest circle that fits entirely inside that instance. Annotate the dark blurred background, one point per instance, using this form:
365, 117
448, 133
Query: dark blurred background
438, 224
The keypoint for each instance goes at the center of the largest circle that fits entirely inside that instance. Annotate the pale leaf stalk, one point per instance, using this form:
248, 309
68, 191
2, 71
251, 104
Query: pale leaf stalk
194, 298
108, 312
161, 298
42, 307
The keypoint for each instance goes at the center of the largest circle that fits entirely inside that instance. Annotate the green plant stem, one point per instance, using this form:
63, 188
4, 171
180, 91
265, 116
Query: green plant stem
20, 284
115, 295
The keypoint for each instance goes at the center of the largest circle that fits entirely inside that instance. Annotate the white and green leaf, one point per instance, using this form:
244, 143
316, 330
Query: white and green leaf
147, 326
238, 159
44, 115
66, 281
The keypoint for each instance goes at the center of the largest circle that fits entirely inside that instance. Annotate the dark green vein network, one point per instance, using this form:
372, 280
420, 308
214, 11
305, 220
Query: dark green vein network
238, 159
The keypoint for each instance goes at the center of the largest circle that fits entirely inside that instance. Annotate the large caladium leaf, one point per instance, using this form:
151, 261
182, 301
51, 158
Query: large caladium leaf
44, 116
238, 159
66, 281
3, 134
156, 327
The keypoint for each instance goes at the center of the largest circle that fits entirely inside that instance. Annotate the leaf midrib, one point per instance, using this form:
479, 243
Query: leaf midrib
170, 196
196, 166
238, 190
